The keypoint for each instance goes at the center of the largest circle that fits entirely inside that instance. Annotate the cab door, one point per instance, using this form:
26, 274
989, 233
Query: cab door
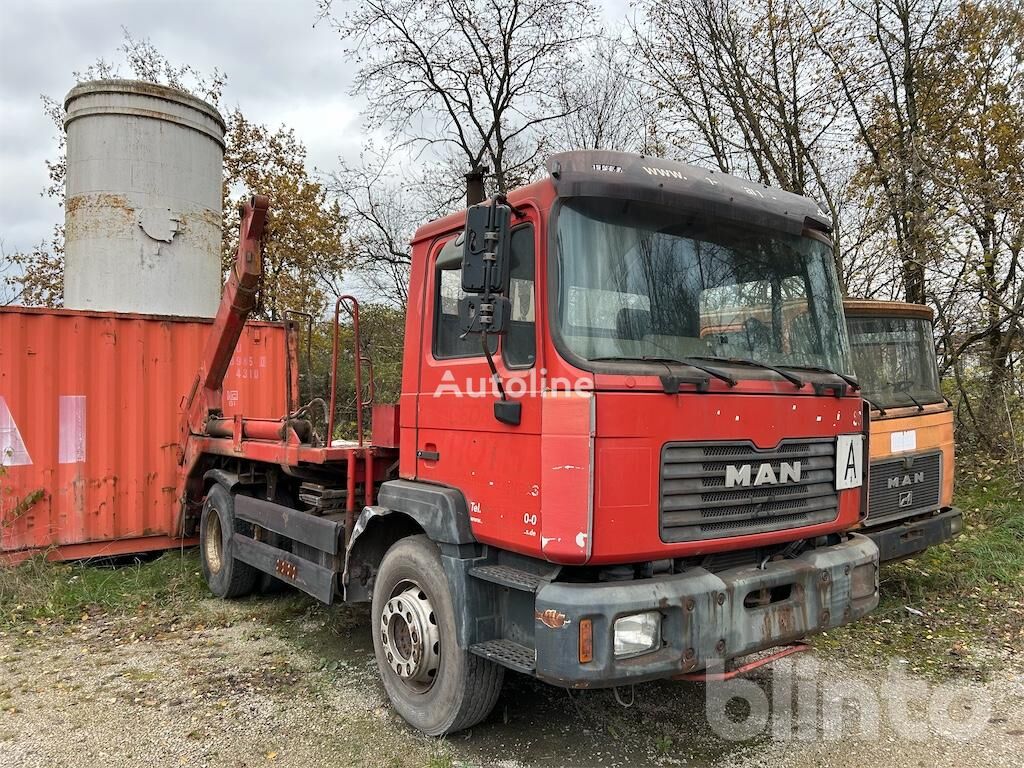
459, 442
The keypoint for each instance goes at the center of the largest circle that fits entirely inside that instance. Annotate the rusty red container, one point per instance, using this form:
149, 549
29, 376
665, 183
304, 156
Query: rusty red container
90, 407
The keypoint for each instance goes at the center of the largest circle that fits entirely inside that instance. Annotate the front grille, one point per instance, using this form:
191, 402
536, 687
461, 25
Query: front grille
696, 504
904, 486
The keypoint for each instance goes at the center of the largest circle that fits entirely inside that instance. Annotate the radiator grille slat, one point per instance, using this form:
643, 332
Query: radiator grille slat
696, 504
904, 486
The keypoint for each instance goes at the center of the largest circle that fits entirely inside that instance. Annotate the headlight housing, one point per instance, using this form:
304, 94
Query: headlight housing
637, 634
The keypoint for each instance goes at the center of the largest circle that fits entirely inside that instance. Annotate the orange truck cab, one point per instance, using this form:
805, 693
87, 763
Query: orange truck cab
910, 496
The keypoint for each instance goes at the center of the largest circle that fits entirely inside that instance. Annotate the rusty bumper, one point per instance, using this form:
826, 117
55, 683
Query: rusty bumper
705, 617
902, 539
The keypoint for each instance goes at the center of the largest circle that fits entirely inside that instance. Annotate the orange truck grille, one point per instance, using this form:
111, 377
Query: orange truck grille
904, 486
714, 490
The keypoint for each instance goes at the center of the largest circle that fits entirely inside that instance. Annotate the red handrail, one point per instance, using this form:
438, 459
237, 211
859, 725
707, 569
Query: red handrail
359, 360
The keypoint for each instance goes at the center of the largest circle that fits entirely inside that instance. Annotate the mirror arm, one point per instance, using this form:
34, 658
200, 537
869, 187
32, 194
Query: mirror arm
520, 213
494, 369
505, 411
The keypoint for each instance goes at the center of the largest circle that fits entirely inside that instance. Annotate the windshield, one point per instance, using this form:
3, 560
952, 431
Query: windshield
894, 358
636, 280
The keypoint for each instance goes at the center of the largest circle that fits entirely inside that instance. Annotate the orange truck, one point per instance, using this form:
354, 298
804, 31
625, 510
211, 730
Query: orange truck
910, 496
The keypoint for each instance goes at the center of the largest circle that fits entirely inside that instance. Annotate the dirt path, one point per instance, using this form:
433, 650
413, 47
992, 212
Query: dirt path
225, 688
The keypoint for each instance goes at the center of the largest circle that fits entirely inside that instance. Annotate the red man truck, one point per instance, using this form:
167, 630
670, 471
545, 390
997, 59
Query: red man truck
584, 480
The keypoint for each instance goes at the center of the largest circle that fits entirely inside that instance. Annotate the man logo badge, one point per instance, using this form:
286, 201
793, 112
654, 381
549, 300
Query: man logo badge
906, 499
744, 475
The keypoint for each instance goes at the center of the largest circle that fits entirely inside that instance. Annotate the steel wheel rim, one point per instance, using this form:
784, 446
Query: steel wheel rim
410, 637
213, 550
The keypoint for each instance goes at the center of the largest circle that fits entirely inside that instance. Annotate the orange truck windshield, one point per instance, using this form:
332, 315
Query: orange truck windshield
895, 360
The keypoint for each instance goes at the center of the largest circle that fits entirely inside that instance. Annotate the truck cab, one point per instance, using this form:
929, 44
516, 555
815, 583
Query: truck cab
628, 447
910, 499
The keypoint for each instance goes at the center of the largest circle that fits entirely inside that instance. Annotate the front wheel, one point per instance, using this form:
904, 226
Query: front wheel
435, 685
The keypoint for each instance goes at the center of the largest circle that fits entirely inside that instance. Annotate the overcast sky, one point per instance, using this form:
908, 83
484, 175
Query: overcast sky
281, 69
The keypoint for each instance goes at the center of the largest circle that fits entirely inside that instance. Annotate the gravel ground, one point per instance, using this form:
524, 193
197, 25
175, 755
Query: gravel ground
227, 687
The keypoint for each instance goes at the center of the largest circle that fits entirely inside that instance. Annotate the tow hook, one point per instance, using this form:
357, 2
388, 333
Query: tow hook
715, 677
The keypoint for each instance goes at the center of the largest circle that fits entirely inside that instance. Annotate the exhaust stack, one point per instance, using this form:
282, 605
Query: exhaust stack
475, 193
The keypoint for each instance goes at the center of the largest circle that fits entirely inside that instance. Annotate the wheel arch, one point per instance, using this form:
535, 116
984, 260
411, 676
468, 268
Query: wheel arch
405, 508
218, 476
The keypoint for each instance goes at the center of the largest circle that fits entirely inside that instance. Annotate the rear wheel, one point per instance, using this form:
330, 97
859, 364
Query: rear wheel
435, 685
226, 576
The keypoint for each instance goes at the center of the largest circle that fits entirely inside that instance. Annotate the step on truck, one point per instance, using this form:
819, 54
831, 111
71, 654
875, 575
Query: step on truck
628, 446
910, 498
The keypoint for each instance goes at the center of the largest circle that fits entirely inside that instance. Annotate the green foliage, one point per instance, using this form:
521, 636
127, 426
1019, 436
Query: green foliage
959, 605
39, 590
989, 554
382, 334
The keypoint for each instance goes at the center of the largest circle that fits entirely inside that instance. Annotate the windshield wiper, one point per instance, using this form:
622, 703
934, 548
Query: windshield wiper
793, 379
873, 404
914, 400
720, 375
852, 382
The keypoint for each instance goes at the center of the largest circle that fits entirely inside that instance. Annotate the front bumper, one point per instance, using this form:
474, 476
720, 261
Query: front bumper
705, 617
900, 540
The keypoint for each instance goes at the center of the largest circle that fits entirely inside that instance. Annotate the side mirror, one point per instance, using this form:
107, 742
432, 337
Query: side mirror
485, 265
485, 249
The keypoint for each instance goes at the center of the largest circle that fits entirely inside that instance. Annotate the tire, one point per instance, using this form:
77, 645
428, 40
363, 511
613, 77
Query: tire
463, 688
225, 575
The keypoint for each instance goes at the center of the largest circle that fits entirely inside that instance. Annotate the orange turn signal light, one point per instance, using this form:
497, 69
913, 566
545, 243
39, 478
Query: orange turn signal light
586, 640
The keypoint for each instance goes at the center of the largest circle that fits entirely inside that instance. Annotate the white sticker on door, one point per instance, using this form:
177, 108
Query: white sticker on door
71, 448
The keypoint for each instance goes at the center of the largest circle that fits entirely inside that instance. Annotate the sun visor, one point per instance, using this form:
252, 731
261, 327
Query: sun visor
600, 173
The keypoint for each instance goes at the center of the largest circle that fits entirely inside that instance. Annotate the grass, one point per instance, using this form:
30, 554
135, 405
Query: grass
959, 608
40, 591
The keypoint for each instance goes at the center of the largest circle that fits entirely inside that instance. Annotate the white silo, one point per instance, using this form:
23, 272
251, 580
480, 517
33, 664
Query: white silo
143, 199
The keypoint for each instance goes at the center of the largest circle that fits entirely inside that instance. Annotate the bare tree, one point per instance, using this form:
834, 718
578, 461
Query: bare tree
10, 286
382, 216
977, 168
606, 103
745, 90
476, 80
884, 56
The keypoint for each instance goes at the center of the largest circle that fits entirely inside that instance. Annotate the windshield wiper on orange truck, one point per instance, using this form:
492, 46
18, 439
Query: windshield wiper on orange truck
691, 362
873, 404
914, 400
792, 378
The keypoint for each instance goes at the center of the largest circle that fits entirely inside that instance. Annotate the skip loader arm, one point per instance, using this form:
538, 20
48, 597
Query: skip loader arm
203, 402
237, 301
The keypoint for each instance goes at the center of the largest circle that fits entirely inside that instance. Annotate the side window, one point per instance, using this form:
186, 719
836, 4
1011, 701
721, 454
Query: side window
447, 331
520, 345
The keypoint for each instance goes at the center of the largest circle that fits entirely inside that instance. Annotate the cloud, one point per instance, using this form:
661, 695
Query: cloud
281, 69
